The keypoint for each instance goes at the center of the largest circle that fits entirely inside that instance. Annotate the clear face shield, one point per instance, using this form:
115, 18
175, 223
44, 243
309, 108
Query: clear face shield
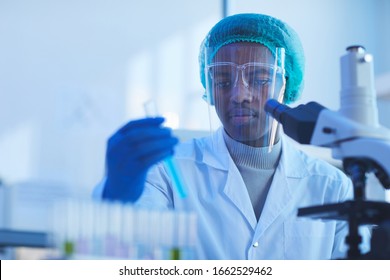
240, 78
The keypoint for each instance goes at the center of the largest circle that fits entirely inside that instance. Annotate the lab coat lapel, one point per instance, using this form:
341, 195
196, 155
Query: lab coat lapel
282, 188
236, 191
215, 153
278, 198
235, 188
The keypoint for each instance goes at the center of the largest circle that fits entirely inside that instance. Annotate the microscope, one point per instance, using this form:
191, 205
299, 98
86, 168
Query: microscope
354, 136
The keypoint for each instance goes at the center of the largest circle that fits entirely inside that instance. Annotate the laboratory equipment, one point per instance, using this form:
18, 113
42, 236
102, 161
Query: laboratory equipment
172, 168
87, 229
354, 136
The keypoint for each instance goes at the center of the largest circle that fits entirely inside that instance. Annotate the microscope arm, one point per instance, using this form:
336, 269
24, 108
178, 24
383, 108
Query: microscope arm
349, 139
314, 124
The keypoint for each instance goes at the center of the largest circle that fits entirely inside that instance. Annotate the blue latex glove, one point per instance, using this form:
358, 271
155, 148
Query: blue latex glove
131, 151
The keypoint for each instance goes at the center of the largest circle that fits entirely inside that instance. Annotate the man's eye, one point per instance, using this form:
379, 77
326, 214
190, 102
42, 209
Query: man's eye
223, 83
264, 82
223, 80
260, 82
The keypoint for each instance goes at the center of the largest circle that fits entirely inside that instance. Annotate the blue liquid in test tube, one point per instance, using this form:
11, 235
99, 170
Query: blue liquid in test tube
173, 170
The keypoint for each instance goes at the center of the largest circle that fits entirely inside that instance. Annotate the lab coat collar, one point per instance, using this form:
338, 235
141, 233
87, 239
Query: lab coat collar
217, 156
217, 145
292, 161
291, 168
293, 165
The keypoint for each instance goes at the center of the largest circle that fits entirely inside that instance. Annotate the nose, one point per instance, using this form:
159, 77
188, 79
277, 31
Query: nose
241, 92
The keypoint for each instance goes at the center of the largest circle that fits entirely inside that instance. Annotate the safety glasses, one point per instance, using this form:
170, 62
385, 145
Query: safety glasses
254, 75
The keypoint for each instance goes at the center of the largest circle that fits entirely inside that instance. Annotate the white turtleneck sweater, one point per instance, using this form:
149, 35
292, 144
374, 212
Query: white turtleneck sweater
257, 166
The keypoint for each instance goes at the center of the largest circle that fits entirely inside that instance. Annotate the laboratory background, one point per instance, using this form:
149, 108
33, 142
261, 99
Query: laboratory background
72, 72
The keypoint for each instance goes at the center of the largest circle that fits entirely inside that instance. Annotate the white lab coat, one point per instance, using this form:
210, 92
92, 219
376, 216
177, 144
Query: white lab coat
227, 226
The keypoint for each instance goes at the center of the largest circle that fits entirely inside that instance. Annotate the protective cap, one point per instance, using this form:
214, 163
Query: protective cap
265, 30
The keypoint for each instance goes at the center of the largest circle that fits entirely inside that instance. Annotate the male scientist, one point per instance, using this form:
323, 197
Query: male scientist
246, 181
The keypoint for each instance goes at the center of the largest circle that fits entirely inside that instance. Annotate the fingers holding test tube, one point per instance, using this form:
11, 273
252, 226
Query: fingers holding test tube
130, 152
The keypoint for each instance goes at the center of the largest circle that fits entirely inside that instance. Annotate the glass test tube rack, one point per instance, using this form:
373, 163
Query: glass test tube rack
86, 229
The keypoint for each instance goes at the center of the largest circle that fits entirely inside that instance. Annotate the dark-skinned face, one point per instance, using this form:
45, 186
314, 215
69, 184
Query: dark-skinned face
242, 83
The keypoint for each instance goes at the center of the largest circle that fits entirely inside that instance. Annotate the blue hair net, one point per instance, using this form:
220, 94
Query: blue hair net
265, 30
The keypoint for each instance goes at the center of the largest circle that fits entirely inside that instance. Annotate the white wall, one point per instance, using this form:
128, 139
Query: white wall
72, 72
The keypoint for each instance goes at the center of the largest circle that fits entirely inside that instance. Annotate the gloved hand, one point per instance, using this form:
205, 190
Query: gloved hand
131, 151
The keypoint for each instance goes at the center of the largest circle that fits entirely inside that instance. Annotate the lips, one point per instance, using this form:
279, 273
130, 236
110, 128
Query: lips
239, 116
242, 112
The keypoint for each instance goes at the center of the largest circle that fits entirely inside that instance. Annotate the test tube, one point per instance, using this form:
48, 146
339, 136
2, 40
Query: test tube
112, 238
168, 234
142, 232
71, 228
191, 234
98, 229
84, 241
173, 170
